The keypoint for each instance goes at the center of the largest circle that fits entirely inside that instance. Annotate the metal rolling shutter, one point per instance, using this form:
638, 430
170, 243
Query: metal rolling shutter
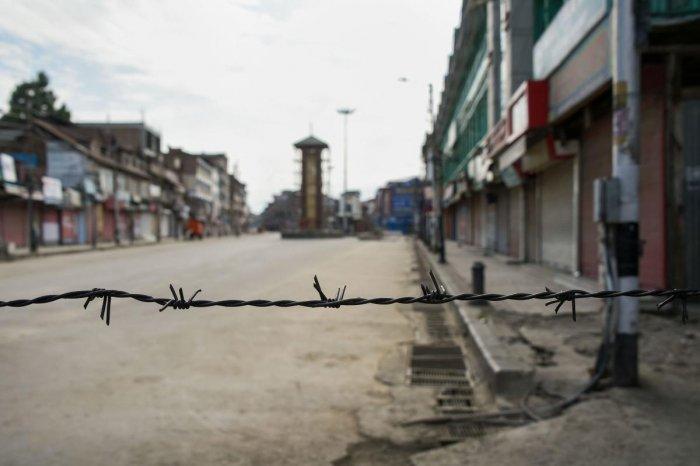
462, 221
691, 191
516, 207
533, 237
503, 221
557, 216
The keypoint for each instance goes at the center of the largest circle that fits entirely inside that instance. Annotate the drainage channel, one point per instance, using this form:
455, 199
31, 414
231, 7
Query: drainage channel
441, 364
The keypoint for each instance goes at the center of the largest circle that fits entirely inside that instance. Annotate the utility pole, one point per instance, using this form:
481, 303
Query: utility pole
31, 186
436, 161
115, 186
625, 232
345, 112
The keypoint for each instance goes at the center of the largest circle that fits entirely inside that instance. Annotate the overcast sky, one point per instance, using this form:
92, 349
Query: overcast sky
246, 77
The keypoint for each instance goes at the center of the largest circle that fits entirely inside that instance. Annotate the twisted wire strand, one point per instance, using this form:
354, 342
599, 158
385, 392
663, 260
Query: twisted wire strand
566, 295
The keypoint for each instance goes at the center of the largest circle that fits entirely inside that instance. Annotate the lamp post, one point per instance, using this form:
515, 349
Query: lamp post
346, 112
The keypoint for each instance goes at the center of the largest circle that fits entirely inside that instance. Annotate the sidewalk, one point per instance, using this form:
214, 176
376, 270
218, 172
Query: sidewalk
42, 251
501, 276
654, 424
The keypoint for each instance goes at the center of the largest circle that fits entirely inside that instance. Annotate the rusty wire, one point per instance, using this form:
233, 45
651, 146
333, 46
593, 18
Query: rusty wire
435, 296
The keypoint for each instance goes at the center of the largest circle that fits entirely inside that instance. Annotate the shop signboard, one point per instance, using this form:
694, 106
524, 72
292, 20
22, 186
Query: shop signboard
584, 72
573, 22
7, 168
52, 190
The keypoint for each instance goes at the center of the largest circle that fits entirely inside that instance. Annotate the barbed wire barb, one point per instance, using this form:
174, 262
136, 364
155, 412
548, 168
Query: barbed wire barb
437, 294
324, 299
105, 313
179, 302
561, 298
680, 295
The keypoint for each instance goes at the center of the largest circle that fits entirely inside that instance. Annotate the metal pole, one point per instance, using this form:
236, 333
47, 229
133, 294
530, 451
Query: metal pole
345, 112
626, 90
30, 215
117, 235
345, 170
93, 221
437, 169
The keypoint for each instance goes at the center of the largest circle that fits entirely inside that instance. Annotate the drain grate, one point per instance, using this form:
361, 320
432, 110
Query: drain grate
434, 321
436, 326
460, 430
438, 365
455, 400
433, 351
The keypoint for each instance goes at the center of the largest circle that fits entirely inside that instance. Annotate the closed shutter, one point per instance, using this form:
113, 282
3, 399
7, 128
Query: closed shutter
557, 216
596, 162
477, 214
462, 222
502, 220
691, 192
13, 222
533, 237
516, 200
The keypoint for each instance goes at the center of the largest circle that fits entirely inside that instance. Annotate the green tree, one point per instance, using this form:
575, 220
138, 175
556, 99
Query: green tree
35, 97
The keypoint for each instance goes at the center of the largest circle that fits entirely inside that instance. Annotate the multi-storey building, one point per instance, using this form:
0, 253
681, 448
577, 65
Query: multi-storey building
152, 205
397, 205
201, 180
239, 208
101, 182
102, 190
525, 125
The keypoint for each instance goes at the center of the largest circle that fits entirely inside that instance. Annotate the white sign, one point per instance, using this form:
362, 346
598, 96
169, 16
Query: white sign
52, 190
571, 24
50, 232
7, 167
154, 190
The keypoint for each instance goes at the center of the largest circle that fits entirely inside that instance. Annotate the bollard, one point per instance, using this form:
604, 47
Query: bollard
478, 283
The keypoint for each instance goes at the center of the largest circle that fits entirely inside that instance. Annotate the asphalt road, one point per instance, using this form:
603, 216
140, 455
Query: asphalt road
214, 386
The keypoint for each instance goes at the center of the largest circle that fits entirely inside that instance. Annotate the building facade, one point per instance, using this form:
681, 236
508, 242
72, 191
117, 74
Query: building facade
525, 125
87, 183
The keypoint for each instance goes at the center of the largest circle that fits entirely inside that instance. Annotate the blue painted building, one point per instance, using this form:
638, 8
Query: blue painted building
398, 204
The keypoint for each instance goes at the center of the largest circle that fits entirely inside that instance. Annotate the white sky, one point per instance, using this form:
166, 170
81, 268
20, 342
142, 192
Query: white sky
246, 77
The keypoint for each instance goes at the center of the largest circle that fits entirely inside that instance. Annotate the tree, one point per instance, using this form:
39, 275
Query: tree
36, 98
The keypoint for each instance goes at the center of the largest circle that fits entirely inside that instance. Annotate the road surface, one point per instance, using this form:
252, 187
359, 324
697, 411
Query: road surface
214, 386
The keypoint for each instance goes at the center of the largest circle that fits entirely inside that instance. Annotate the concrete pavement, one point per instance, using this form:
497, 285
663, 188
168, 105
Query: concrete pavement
215, 386
655, 424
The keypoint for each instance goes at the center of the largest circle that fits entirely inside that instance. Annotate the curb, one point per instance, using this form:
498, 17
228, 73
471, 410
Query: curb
508, 371
70, 250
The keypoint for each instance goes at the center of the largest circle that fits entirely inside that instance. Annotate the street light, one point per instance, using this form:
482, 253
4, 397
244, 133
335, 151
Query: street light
345, 112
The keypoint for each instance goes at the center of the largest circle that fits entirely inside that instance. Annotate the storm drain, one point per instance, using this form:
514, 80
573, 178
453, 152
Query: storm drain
457, 431
436, 326
452, 400
438, 365
434, 320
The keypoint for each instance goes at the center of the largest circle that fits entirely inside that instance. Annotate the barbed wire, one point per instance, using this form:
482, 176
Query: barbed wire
437, 295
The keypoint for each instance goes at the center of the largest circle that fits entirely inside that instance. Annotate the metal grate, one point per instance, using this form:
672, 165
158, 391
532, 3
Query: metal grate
434, 321
436, 326
455, 399
460, 430
438, 365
